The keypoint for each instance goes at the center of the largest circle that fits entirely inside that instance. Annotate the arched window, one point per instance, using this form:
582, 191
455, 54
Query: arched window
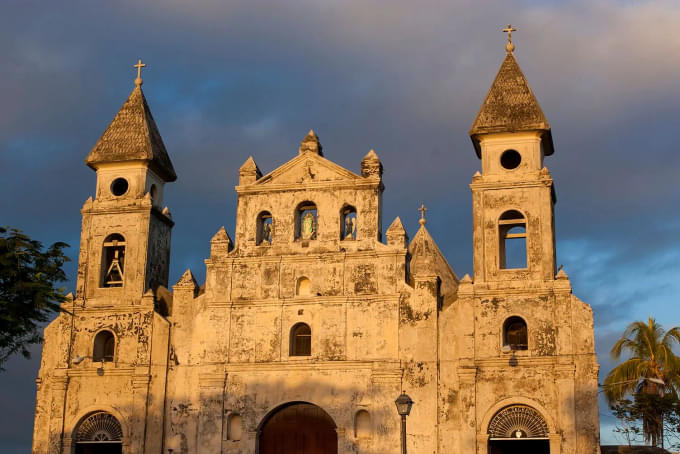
306, 221
515, 333
99, 428
518, 421
104, 346
512, 233
303, 287
301, 340
264, 228
362, 424
234, 427
348, 223
113, 261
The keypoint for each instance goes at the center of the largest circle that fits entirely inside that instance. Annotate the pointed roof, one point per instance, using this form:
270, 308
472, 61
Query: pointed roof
187, 280
396, 227
510, 105
133, 135
427, 258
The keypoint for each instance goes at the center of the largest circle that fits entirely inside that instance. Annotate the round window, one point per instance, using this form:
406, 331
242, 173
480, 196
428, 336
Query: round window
119, 186
511, 159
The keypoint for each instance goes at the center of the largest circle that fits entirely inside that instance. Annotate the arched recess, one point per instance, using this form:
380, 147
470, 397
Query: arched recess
98, 432
297, 427
265, 228
515, 333
300, 340
348, 223
113, 261
518, 427
104, 346
512, 236
306, 221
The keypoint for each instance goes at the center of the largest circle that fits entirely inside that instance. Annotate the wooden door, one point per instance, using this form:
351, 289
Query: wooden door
299, 429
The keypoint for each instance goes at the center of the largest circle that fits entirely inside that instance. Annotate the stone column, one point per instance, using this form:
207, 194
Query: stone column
210, 414
59, 386
140, 393
566, 415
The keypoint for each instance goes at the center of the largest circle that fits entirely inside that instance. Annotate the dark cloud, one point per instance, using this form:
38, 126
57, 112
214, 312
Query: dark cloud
231, 79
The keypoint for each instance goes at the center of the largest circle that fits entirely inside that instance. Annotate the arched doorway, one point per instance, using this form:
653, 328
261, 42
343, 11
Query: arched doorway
518, 429
99, 433
298, 428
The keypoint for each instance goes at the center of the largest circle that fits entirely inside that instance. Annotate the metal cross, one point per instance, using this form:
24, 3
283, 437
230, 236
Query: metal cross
422, 210
509, 31
139, 67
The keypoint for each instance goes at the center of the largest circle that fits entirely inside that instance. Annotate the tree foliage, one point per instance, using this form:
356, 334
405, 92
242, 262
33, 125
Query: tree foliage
650, 375
28, 293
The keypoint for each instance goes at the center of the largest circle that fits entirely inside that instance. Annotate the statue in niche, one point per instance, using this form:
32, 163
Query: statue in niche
267, 232
350, 227
308, 230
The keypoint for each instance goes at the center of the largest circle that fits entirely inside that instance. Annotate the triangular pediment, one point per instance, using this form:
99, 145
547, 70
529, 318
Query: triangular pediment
308, 168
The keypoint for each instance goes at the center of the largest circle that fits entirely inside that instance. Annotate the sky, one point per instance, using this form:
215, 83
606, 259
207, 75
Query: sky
226, 80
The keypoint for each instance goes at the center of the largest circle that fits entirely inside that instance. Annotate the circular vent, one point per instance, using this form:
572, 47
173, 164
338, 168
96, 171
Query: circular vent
119, 186
511, 159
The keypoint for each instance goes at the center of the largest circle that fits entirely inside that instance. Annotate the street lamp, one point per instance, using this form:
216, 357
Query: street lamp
404, 404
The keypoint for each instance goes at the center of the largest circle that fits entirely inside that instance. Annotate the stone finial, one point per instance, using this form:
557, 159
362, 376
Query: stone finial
249, 172
561, 274
220, 244
186, 282
466, 279
396, 234
371, 165
311, 144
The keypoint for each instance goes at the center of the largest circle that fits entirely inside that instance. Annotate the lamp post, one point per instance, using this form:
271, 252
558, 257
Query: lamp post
404, 404
79, 359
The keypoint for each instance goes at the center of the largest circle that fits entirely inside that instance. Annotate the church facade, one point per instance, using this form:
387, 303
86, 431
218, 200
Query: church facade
312, 320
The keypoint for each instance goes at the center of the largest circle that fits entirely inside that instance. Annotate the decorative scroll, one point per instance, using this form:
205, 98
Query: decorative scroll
518, 421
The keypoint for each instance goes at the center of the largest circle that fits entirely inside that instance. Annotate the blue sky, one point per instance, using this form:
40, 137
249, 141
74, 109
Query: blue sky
226, 80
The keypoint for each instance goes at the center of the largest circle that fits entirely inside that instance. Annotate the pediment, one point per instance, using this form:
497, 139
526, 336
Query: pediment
307, 168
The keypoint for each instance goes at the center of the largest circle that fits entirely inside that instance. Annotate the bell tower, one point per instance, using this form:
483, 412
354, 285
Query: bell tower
513, 196
125, 239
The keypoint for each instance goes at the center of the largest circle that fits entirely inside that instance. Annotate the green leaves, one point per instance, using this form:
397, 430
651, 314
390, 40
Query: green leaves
28, 292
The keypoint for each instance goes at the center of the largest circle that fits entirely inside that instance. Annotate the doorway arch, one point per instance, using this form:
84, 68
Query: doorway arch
518, 429
99, 433
297, 428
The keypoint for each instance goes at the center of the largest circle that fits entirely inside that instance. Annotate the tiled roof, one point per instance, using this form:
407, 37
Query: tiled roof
133, 135
510, 105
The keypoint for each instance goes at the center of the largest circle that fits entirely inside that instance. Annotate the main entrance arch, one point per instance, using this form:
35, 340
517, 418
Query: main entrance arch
298, 428
518, 429
99, 433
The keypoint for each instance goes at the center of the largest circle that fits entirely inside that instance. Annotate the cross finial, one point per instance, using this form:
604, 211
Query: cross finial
422, 210
139, 66
509, 29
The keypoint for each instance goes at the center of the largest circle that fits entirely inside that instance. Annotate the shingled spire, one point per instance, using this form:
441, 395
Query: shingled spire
133, 136
510, 105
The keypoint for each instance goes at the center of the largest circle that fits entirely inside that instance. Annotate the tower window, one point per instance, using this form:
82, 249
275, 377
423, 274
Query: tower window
511, 159
119, 187
113, 261
348, 223
512, 234
306, 221
515, 333
104, 346
264, 228
301, 340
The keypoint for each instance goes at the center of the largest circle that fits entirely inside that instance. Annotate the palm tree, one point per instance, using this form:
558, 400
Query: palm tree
653, 368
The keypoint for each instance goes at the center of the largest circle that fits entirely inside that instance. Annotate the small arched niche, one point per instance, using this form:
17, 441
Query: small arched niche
512, 234
234, 427
113, 261
301, 340
348, 223
104, 346
303, 287
265, 225
306, 221
515, 333
362, 424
